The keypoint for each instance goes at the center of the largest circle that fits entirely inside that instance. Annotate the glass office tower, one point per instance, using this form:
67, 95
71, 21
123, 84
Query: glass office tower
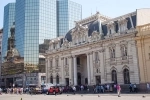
9, 18
67, 13
35, 21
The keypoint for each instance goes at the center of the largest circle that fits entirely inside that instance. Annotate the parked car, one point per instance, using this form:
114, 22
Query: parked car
54, 90
35, 91
46, 87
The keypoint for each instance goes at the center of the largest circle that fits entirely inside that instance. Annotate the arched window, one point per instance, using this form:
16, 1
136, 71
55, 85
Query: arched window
114, 76
57, 79
126, 76
51, 79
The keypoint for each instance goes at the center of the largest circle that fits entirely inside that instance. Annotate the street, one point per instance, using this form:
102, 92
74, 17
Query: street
76, 97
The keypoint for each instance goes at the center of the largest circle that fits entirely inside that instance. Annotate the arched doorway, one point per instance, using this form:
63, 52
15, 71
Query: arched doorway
57, 79
126, 76
114, 76
79, 78
51, 79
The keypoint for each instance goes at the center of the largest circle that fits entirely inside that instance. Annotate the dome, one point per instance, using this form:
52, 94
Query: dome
92, 26
15, 52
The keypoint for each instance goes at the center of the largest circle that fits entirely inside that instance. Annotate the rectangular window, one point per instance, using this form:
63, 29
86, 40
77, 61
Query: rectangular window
56, 62
65, 61
51, 63
96, 56
78, 61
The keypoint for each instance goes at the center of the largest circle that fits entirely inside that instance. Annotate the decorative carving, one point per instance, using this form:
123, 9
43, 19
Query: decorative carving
65, 43
62, 58
95, 36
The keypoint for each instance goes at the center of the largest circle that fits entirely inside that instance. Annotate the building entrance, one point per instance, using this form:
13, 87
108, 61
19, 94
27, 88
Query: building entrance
9, 82
98, 79
67, 81
79, 78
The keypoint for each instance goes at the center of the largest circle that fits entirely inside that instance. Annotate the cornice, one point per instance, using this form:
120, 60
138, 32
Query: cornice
120, 17
93, 18
111, 39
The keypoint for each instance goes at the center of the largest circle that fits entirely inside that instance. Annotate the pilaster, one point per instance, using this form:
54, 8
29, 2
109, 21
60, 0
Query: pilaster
62, 71
71, 71
102, 65
88, 68
75, 70
92, 68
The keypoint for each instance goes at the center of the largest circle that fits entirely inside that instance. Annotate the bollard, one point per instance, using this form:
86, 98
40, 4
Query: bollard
143, 96
21, 99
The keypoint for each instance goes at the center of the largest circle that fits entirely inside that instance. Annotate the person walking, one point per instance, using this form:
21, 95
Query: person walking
74, 90
148, 87
0, 91
130, 87
118, 90
135, 88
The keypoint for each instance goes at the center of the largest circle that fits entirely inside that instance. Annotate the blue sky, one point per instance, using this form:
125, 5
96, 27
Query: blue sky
111, 8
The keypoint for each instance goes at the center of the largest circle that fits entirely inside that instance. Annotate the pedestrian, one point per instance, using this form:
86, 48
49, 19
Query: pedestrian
74, 90
118, 90
102, 89
115, 88
130, 87
0, 91
108, 87
82, 87
148, 87
135, 88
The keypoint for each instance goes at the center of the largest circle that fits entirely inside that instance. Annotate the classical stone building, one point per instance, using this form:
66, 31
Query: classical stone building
97, 50
143, 45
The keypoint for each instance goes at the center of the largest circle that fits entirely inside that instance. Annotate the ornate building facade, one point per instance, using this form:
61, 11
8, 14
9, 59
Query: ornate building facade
97, 50
143, 46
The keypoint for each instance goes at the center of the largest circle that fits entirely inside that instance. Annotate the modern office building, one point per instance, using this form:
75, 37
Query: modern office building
35, 22
1, 35
67, 13
9, 18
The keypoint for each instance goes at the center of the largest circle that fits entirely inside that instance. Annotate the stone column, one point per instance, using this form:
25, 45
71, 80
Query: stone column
70, 71
92, 69
62, 71
101, 57
88, 67
75, 70
47, 70
94, 79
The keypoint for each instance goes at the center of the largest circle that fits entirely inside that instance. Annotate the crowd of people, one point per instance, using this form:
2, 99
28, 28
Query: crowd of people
12, 90
116, 88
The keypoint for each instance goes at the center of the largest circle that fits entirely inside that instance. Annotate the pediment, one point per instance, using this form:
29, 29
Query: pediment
79, 29
65, 43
